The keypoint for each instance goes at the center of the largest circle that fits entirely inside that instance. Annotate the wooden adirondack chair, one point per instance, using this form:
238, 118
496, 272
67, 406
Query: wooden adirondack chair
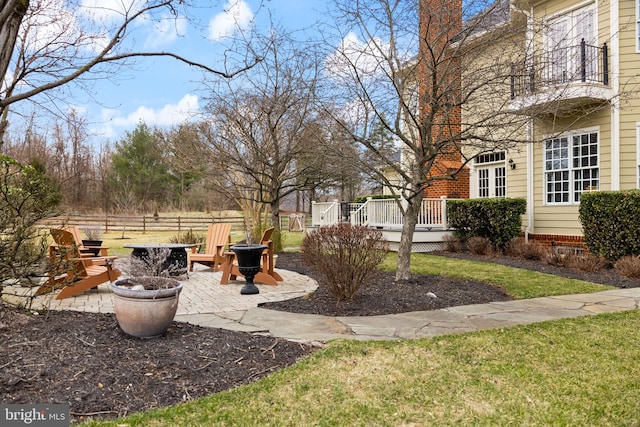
218, 240
73, 272
85, 251
266, 275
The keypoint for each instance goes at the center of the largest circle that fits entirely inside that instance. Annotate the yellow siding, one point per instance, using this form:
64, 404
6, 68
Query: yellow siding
517, 178
563, 219
630, 100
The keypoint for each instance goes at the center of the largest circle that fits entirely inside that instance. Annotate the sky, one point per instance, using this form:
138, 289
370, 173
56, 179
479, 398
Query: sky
161, 91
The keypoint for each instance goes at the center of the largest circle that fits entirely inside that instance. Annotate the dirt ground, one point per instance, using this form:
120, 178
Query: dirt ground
84, 359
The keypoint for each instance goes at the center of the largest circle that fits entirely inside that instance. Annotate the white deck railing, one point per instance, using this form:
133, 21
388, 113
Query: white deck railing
325, 213
383, 213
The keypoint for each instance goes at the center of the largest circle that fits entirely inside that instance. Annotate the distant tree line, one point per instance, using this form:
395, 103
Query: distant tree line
152, 169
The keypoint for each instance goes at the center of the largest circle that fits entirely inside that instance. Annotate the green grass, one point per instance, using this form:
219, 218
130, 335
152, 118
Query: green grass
519, 283
580, 372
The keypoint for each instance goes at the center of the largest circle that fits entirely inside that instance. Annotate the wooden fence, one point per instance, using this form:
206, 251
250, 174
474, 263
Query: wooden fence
140, 223
151, 224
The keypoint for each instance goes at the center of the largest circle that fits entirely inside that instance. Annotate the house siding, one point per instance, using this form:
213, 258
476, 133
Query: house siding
551, 221
630, 102
555, 219
616, 116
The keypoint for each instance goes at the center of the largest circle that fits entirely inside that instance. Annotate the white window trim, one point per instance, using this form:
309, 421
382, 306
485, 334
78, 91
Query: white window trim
474, 174
569, 135
569, 60
564, 13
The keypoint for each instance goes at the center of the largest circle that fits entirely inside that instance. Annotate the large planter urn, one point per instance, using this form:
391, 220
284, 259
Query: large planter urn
145, 306
92, 246
249, 257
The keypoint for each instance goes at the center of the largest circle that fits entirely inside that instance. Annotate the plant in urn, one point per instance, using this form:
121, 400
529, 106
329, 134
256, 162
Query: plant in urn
249, 257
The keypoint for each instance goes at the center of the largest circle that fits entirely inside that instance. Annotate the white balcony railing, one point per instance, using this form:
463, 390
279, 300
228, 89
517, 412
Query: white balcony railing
325, 213
379, 213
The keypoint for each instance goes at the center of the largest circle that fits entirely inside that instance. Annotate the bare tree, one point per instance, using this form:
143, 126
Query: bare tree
262, 126
47, 44
411, 67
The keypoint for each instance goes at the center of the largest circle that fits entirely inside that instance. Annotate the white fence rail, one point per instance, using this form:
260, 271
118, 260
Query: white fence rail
325, 213
381, 213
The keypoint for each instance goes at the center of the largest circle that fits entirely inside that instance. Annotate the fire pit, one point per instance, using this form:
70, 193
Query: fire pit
176, 262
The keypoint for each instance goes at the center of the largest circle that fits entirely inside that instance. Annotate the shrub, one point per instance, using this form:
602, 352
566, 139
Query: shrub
554, 258
92, 232
189, 238
629, 266
585, 262
452, 244
27, 195
480, 246
519, 248
499, 220
610, 222
344, 256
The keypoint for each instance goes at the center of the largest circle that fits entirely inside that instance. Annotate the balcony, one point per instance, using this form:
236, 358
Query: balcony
561, 80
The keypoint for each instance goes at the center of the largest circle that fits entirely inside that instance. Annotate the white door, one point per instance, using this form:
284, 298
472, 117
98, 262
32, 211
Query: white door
492, 181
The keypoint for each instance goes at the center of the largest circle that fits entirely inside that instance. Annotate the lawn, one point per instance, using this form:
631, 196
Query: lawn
519, 283
583, 371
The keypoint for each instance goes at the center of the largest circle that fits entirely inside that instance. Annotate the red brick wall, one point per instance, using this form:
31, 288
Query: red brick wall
440, 22
453, 189
551, 240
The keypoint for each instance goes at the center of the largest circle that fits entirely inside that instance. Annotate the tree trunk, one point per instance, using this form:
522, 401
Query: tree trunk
409, 220
275, 221
11, 15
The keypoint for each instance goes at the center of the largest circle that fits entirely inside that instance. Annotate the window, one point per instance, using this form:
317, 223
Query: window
571, 166
564, 37
492, 174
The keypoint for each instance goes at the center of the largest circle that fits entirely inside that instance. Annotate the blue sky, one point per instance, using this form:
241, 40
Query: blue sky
163, 92
160, 91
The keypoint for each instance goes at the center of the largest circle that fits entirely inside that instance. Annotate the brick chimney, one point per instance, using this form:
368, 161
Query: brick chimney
439, 76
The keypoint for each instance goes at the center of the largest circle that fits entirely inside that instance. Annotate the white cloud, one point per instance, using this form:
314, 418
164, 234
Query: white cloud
368, 58
106, 15
237, 15
169, 115
50, 24
166, 30
107, 10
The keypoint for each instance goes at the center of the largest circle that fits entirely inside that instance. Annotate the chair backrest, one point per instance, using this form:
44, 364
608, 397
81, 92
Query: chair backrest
69, 251
65, 239
75, 231
218, 235
266, 236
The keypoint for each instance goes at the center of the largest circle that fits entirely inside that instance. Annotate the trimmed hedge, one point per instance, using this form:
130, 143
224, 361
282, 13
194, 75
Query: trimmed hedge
611, 223
499, 220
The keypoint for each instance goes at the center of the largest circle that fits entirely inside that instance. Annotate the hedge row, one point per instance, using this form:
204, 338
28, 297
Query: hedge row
499, 220
611, 223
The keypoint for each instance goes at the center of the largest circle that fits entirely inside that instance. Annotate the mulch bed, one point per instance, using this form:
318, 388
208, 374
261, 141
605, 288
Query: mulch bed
85, 360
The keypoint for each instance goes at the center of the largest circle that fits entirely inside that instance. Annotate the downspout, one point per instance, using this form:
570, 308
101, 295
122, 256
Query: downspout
530, 175
529, 35
614, 69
